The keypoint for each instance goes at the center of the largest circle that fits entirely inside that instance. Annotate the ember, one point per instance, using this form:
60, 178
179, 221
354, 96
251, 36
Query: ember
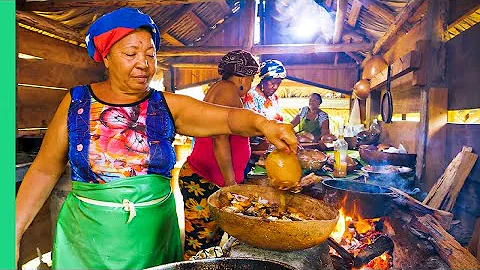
364, 240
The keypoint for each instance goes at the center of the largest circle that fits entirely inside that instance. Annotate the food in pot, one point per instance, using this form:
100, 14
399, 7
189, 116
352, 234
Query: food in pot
259, 207
283, 169
311, 159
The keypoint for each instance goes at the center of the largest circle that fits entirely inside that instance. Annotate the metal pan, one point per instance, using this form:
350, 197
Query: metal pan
387, 102
366, 200
225, 264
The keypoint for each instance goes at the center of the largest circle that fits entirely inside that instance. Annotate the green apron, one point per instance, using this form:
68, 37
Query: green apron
310, 126
93, 236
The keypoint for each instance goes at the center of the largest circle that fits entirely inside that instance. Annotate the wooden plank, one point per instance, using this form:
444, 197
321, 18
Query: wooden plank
249, 25
397, 24
261, 49
339, 20
354, 13
39, 45
379, 9
68, 4
335, 89
408, 136
409, 62
49, 25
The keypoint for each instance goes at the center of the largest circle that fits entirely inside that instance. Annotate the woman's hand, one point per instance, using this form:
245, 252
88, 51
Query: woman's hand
281, 135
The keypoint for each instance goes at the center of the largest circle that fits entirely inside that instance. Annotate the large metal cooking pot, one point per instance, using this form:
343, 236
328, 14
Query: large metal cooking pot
226, 264
279, 234
366, 200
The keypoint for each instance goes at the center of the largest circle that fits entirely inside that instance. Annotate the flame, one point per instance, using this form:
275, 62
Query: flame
339, 230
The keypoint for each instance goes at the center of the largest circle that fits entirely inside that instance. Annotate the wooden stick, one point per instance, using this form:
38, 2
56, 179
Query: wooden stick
443, 217
474, 244
447, 247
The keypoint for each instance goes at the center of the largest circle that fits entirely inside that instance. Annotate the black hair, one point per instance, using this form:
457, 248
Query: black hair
318, 96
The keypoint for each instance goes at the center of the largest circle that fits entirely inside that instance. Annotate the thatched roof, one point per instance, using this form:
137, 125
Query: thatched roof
192, 22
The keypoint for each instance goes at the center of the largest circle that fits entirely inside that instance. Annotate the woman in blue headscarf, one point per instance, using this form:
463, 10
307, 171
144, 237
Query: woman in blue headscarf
117, 135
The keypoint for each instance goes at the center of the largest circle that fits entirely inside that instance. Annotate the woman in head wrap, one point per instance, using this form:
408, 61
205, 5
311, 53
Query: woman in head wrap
117, 135
312, 121
216, 161
262, 98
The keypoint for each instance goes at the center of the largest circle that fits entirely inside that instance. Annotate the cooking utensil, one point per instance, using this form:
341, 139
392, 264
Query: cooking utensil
366, 200
388, 169
279, 234
225, 264
374, 157
387, 102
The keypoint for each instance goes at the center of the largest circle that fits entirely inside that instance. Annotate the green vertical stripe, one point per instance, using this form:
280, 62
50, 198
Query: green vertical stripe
7, 142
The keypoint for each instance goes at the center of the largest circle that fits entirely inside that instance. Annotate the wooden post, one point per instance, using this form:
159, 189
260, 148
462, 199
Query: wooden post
431, 147
249, 25
339, 20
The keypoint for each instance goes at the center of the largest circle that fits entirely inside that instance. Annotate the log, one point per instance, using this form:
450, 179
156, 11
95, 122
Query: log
346, 256
410, 252
339, 20
49, 25
397, 24
444, 218
262, 49
444, 193
447, 247
172, 40
69, 4
407, 63
381, 245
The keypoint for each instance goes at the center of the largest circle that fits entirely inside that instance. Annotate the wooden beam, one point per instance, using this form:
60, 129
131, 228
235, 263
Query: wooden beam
175, 17
172, 40
288, 67
261, 49
354, 13
198, 21
49, 25
249, 24
48, 48
343, 91
224, 5
69, 4
196, 84
401, 18
407, 63
339, 20
379, 9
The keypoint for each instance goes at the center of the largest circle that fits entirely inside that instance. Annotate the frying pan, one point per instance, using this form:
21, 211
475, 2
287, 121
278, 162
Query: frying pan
387, 102
366, 200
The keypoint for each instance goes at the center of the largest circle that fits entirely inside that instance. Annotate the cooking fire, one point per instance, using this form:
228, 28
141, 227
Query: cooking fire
359, 243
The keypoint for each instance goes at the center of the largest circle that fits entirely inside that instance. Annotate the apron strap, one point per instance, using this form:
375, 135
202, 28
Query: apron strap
127, 205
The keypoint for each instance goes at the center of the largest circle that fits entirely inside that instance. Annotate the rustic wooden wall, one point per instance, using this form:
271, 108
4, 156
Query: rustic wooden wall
463, 65
63, 66
404, 132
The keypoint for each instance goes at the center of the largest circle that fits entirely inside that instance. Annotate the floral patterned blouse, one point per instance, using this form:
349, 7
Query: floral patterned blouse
266, 106
109, 142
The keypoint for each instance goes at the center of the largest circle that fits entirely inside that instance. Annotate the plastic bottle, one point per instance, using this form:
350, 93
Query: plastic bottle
340, 147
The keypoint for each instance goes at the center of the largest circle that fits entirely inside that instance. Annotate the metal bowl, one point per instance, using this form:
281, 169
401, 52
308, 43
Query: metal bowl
225, 264
280, 234
374, 157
